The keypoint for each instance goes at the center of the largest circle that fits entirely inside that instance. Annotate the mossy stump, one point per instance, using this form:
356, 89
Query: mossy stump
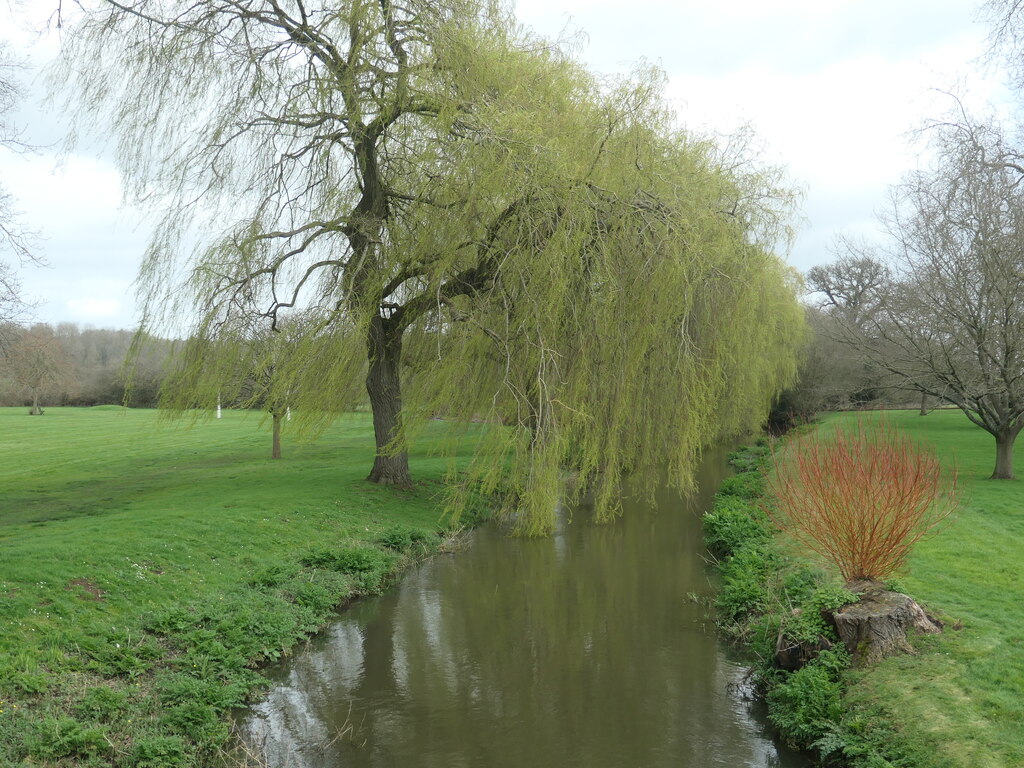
877, 625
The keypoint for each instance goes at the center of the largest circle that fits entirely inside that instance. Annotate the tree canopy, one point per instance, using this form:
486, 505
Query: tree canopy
1006, 34
468, 223
851, 285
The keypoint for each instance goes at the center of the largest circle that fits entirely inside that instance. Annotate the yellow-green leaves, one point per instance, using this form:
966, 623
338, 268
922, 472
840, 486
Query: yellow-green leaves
556, 257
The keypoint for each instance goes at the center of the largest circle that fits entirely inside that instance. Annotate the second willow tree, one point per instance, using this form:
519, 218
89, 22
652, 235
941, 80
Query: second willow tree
470, 224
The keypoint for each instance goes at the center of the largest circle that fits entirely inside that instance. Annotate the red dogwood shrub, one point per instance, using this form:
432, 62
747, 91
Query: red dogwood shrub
860, 495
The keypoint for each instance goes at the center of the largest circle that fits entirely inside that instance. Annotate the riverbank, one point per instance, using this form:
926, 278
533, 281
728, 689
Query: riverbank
150, 568
590, 647
958, 702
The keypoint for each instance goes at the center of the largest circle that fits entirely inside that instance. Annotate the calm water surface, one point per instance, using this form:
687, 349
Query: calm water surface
583, 649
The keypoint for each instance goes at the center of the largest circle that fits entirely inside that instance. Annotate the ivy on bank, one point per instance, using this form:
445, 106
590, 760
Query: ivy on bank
769, 598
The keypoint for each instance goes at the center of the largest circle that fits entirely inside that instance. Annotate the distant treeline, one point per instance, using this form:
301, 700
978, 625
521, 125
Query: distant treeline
65, 364
833, 378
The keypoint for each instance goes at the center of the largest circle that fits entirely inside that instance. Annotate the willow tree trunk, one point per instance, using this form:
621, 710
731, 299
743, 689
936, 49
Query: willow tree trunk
1004, 454
275, 451
391, 464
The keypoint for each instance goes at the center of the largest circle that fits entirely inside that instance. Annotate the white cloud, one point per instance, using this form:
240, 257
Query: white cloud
94, 308
74, 197
91, 246
831, 87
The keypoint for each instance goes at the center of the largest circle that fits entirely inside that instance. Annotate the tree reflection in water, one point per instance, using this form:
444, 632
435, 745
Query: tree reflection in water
582, 649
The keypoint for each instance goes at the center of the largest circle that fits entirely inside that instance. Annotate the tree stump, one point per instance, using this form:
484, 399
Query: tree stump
877, 625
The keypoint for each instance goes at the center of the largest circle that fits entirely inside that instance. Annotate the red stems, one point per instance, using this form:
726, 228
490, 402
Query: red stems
860, 496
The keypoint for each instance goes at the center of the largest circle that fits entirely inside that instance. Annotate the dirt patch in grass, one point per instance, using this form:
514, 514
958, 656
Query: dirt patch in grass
92, 592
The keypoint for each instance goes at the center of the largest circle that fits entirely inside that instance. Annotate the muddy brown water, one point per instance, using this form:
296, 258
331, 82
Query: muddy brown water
590, 648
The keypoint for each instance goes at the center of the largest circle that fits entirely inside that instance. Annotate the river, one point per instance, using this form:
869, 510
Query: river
592, 648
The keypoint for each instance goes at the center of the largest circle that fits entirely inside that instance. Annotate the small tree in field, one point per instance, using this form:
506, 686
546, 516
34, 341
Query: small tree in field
860, 496
37, 363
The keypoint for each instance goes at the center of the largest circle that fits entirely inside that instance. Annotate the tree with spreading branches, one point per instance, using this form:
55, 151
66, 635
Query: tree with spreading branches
37, 363
950, 321
1006, 34
848, 293
470, 224
851, 285
15, 239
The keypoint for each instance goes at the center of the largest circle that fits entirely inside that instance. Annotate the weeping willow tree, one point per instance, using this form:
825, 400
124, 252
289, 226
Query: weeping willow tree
636, 318
240, 367
469, 223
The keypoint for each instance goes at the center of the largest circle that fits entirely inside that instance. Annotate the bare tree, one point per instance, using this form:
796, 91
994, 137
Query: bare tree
1006, 34
951, 321
14, 237
851, 285
36, 361
833, 376
851, 290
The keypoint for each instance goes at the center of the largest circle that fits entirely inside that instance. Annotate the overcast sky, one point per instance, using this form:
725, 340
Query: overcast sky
831, 87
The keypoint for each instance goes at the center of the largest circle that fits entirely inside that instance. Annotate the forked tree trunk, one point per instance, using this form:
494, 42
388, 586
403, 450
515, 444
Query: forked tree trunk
35, 410
1004, 454
275, 451
391, 464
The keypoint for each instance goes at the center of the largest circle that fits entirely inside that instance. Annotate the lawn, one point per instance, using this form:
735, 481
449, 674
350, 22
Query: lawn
147, 566
960, 701
158, 562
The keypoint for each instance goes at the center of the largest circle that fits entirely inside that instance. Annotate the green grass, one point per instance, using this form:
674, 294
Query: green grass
159, 563
960, 701
146, 568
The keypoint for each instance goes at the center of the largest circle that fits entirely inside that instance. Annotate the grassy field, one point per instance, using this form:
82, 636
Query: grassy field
960, 702
147, 567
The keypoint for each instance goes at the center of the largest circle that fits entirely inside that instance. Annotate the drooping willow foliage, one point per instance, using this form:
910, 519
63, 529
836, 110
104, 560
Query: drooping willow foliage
428, 186
632, 323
